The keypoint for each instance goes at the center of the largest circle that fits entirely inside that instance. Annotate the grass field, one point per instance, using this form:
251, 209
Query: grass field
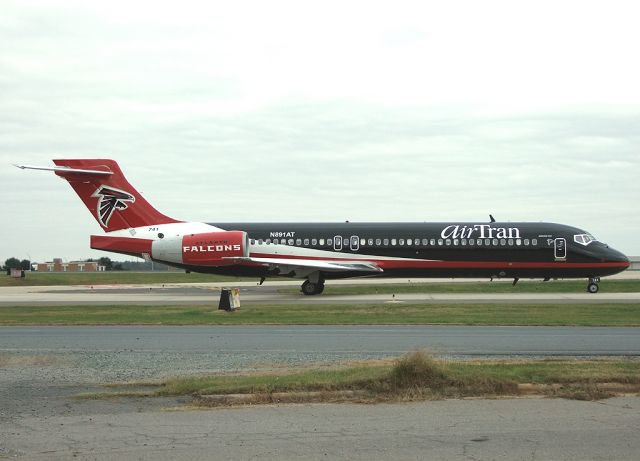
605, 314
414, 376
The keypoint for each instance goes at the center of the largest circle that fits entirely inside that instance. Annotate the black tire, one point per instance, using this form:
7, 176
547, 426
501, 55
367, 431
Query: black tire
593, 288
309, 288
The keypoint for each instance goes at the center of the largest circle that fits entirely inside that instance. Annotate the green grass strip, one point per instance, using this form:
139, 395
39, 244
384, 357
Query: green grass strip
605, 314
413, 376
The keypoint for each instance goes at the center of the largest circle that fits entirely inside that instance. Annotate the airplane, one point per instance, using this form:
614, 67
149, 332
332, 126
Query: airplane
316, 252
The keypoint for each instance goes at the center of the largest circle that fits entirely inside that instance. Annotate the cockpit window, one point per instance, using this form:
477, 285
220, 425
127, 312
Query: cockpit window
584, 239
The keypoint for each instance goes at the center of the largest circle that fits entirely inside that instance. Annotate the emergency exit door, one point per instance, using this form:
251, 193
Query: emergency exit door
560, 249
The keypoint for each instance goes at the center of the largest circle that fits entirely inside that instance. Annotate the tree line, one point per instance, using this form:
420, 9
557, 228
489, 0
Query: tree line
109, 265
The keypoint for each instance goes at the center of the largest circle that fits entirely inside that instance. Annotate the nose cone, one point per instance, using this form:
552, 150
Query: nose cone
618, 259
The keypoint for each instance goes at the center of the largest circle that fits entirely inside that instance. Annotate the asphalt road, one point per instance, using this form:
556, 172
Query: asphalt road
316, 343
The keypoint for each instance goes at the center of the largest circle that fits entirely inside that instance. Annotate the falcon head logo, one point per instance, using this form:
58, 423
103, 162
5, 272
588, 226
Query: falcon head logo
110, 200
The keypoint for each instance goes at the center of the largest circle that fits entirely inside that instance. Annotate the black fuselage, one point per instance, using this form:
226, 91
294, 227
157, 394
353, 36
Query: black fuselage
517, 250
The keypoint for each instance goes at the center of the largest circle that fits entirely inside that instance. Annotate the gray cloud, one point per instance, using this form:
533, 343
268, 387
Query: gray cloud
216, 124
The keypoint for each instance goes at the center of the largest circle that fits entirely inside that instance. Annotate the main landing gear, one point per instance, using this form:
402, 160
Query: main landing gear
314, 285
593, 287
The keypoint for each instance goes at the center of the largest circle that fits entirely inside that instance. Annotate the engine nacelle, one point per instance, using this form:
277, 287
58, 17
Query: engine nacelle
207, 249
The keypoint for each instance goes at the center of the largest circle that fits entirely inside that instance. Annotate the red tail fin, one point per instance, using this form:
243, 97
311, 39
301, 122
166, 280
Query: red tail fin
112, 201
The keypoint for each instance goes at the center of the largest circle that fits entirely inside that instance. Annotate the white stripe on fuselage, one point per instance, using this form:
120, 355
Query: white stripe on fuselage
277, 250
173, 230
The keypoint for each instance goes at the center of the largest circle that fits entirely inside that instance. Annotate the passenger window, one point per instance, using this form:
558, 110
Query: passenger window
393, 242
425, 242
298, 242
510, 242
526, 242
503, 242
518, 242
329, 242
290, 242
401, 242
259, 241
463, 242
378, 242
487, 242
409, 242
448, 242
306, 242
386, 242
472, 242
283, 241
314, 242
370, 242
534, 242
253, 242
440, 242
479, 242
432, 242
363, 242
495, 242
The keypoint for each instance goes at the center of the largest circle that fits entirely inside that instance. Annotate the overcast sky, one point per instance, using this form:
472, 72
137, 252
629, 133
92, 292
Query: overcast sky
323, 111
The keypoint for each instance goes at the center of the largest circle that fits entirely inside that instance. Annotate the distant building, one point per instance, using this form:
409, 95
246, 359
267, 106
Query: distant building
73, 266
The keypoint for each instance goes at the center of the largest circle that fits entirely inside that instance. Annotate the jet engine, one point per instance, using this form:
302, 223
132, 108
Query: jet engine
206, 249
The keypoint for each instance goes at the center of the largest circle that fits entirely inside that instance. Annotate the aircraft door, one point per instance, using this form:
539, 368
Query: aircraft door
337, 243
560, 249
355, 243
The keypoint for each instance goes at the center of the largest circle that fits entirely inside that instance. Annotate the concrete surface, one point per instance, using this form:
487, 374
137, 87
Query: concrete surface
455, 430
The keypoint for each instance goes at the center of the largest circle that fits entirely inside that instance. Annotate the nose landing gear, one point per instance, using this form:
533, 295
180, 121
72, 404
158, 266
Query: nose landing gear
593, 287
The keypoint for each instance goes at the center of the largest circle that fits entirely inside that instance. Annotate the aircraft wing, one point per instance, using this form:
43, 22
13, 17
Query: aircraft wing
306, 266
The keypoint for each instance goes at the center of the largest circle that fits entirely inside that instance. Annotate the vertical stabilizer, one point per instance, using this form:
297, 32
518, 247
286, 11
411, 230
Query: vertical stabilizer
112, 201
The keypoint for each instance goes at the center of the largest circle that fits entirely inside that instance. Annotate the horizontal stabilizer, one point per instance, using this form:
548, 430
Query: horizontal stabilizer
64, 169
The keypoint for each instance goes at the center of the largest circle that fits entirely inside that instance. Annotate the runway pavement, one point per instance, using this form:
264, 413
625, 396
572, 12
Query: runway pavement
303, 344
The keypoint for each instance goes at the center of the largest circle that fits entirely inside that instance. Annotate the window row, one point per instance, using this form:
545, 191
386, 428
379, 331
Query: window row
396, 242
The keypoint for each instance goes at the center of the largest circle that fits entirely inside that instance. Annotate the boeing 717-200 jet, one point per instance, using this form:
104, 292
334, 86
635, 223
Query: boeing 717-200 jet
317, 252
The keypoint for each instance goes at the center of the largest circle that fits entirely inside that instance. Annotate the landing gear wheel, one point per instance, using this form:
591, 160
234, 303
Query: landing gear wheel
309, 288
593, 288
